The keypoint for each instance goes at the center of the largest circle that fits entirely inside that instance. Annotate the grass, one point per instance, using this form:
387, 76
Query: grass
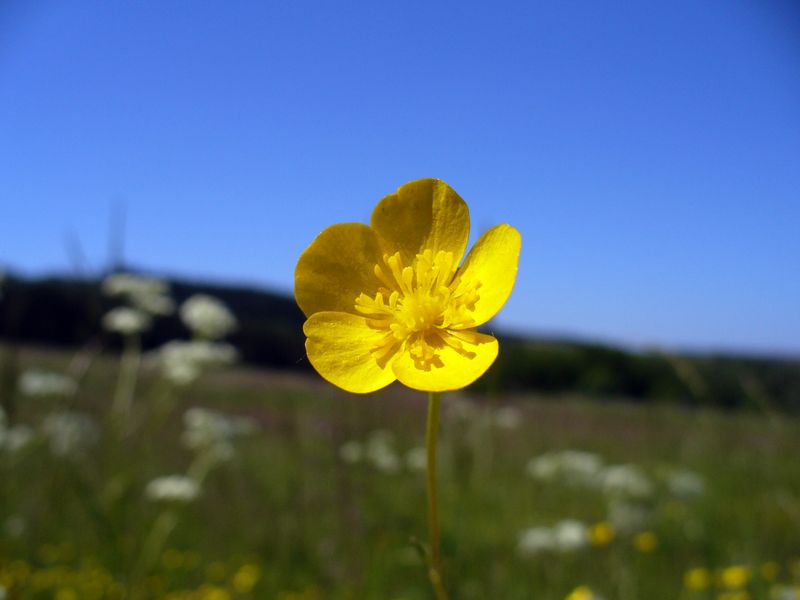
288, 517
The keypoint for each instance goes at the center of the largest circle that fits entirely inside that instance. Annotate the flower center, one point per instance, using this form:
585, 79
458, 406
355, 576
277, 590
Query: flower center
417, 304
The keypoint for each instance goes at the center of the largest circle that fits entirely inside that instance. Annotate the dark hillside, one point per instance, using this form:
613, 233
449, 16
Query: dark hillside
67, 312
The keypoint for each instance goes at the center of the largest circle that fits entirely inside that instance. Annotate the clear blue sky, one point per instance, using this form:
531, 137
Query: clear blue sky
649, 152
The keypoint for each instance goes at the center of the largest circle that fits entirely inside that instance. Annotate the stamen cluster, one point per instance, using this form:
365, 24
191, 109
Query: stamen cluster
422, 305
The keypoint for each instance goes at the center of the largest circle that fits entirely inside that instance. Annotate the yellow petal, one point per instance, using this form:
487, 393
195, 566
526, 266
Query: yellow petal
493, 263
425, 214
452, 369
336, 268
340, 345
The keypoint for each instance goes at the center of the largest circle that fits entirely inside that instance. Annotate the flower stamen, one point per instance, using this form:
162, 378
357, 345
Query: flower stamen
425, 301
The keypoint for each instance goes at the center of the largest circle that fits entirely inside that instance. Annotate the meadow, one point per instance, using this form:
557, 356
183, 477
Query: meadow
176, 474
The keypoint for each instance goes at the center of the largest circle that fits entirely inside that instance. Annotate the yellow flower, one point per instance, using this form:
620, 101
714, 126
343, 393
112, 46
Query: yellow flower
735, 576
601, 534
697, 579
246, 577
645, 542
581, 593
388, 301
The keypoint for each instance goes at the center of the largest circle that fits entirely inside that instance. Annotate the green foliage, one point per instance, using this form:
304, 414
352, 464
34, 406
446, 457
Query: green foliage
310, 522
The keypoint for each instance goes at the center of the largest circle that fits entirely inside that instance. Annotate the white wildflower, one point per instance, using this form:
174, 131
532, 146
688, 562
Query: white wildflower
351, 452
417, 459
380, 452
462, 410
172, 488
784, 592
570, 535
126, 321
627, 516
14, 526
38, 383
208, 430
15, 438
207, 317
146, 294
535, 540
685, 484
573, 467
69, 433
3, 592
507, 417
626, 480
183, 362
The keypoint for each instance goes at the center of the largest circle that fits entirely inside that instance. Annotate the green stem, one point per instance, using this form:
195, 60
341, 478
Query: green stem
431, 434
126, 382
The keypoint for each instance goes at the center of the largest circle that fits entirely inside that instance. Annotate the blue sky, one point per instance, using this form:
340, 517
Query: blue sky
649, 152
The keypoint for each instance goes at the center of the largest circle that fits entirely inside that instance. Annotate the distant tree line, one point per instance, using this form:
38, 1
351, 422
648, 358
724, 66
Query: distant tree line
67, 312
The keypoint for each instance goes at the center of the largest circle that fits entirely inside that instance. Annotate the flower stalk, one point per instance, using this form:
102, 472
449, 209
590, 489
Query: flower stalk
128, 373
431, 437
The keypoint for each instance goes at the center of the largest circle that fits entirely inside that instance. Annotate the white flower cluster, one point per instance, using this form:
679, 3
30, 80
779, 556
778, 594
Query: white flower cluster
585, 469
507, 417
626, 481
629, 491
684, 484
146, 298
468, 413
380, 451
183, 362
572, 467
211, 432
628, 516
172, 488
37, 383
565, 536
127, 321
13, 439
69, 433
207, 317
143, 293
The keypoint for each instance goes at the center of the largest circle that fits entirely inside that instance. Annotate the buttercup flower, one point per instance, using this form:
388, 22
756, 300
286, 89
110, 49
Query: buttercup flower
389, 300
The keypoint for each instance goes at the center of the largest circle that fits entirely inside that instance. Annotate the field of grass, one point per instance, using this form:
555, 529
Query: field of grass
291, 489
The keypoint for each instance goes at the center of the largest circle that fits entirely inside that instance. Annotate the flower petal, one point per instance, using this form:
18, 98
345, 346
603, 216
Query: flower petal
422, 214
492, 262
340, 345
452, 369
336, 268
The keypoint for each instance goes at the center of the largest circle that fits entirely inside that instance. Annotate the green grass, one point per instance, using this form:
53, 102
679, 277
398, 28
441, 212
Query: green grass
313, 526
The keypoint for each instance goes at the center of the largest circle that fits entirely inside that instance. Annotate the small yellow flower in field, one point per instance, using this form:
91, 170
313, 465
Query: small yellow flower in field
213, 592
734, 577
645, 542
583, 592
601, 534
388, 301
770, 570
245, 578
66, 594
697, 579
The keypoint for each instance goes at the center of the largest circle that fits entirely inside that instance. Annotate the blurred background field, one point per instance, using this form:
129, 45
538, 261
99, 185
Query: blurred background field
162, 167
191, 477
